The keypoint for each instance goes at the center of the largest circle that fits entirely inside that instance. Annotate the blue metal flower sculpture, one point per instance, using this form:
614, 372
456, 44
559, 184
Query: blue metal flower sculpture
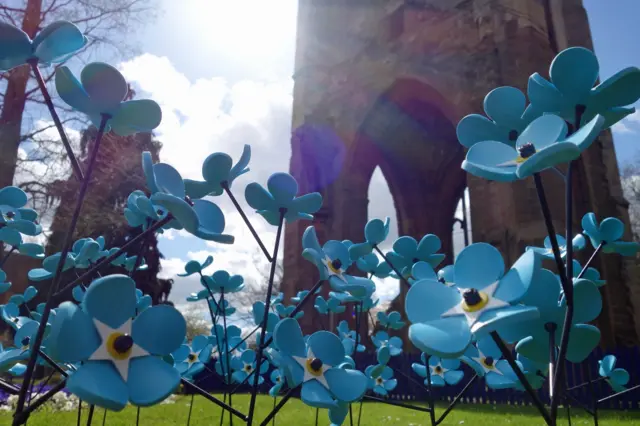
141, 212
222, 281
233, 340
314, 365
571, 94
195, 267
332, 260
331, 305
485, 359
22, 342
547, 298
4, 284
348, 338
49, 267
375, 232
248, 367
535, 372
381, 339
120, 354
407, 252
616, 377
286, 311
444, 318
542, 145
578, 243
190, 360
392, 321
508, 117
218, 171
442, 371
277, 378
608, 233
101, 94
54, 43
371, 264
383, 383
258, 317
15, 218
281, 198
201, 218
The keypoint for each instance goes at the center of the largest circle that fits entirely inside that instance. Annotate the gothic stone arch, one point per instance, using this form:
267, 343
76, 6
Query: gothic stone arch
390, 79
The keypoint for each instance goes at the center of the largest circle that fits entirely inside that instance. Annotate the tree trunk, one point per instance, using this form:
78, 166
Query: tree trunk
14, 101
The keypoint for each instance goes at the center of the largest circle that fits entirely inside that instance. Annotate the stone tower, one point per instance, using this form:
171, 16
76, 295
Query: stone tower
391, 79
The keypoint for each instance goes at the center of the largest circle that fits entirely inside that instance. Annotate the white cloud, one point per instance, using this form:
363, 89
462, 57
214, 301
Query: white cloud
635, 117
621, 127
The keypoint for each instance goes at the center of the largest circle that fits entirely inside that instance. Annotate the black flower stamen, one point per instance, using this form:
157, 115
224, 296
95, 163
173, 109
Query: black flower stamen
488, 361
316, 364
526, 150
336, 264
513, 135
123, 343
472, 297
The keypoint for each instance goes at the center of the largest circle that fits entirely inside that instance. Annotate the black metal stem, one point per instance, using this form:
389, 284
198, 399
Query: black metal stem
594, 398
397, 404
7, 256
265, 319
90, 418
79, 411
28, 375
273, 422
226, 344
317, 412
77, 170
579, 403
400, 276
24, 415
350, 415
191, 409
52, 363
456, 399
9, 387
360, 413
212, 398
245, 338
104, 417
591, 259
527, 386
281, 404
432, 414
226, 188
138, 417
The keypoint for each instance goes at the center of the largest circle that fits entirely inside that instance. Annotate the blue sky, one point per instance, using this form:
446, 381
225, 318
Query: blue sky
221, 71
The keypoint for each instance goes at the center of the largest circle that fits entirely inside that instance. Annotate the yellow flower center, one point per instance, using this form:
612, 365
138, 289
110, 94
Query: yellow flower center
489, 363
314, 366
474, 300
119, 345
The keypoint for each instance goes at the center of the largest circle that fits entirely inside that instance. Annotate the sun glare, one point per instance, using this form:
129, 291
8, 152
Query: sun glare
243, 27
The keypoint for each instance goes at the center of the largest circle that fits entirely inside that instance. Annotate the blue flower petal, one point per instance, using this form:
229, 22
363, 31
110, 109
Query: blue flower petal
477, 128
448, 337
486, 160
151, 380
57, 41
440, 298
162, 319
288, 338
72, 92
140, 115
478, 266
376, 231
437, 381
505, 106
338, 413
72, 335
216, 169
307, 203
607, 364
574, 71
406, 246
104, 84
620, 376
179, 208
13, 238
545, 294
98, 383
327, 347
111, 300
346, 385
16, 47
619, 90
583, 339
168, 180
211, 222
587, 301
453, 377
316, 395
495, 319
536, 349
516, 282
181, 353
498, 381
283, 187
587, 133
11, 195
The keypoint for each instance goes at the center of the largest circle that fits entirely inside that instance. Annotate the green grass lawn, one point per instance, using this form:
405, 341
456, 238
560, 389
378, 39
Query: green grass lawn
296, 413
